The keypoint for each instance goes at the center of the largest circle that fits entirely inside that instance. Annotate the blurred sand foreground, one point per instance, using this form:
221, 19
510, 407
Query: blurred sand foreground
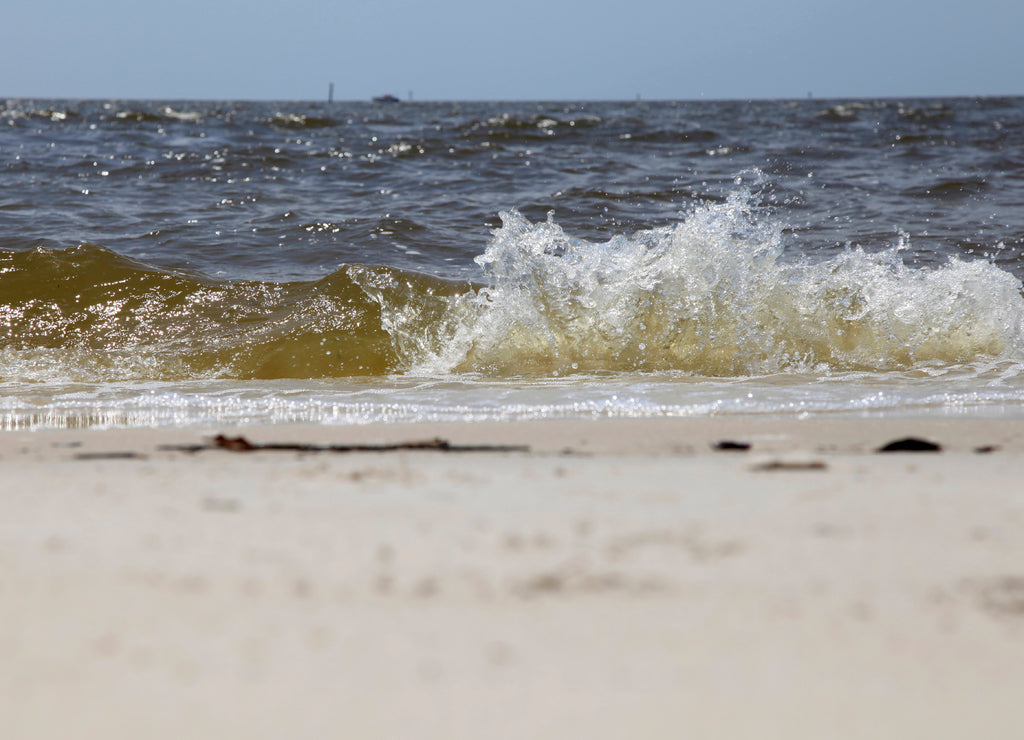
621, 579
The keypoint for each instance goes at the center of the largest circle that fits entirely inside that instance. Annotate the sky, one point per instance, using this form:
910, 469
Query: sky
522, 50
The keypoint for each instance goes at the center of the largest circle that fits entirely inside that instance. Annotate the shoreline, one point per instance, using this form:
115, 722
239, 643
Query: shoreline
622, 578
839, 434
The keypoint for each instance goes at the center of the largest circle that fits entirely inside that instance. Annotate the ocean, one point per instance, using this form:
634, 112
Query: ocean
176, 263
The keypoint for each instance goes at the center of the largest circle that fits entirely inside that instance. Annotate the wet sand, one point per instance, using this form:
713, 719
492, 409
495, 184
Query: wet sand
616, 579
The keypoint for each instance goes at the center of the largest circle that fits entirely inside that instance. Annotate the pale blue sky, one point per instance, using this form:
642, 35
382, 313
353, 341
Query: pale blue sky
528, 49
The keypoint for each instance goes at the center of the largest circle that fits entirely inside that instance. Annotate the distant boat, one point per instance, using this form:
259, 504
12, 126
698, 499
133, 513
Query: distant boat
385, 99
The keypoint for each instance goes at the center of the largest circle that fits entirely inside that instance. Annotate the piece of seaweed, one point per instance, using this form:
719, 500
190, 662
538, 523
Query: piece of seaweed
241, 444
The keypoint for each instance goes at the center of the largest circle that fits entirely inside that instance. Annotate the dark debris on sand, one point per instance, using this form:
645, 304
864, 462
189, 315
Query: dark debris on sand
241, 444
910, 444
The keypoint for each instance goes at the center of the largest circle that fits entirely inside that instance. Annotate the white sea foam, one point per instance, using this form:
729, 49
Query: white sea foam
993, 390
713, 295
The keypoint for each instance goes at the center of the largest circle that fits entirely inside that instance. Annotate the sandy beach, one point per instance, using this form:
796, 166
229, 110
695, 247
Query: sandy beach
557, 579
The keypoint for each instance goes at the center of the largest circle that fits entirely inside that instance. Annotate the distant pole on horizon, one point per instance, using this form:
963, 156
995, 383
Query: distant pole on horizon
330, 93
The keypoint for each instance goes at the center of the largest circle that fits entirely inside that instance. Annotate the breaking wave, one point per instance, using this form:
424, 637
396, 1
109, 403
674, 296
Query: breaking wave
712, 295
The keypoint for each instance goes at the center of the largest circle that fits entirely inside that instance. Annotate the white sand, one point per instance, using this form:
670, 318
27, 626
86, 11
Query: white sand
643, 586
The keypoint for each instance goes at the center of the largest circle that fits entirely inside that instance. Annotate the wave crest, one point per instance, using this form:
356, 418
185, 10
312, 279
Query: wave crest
712, 295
